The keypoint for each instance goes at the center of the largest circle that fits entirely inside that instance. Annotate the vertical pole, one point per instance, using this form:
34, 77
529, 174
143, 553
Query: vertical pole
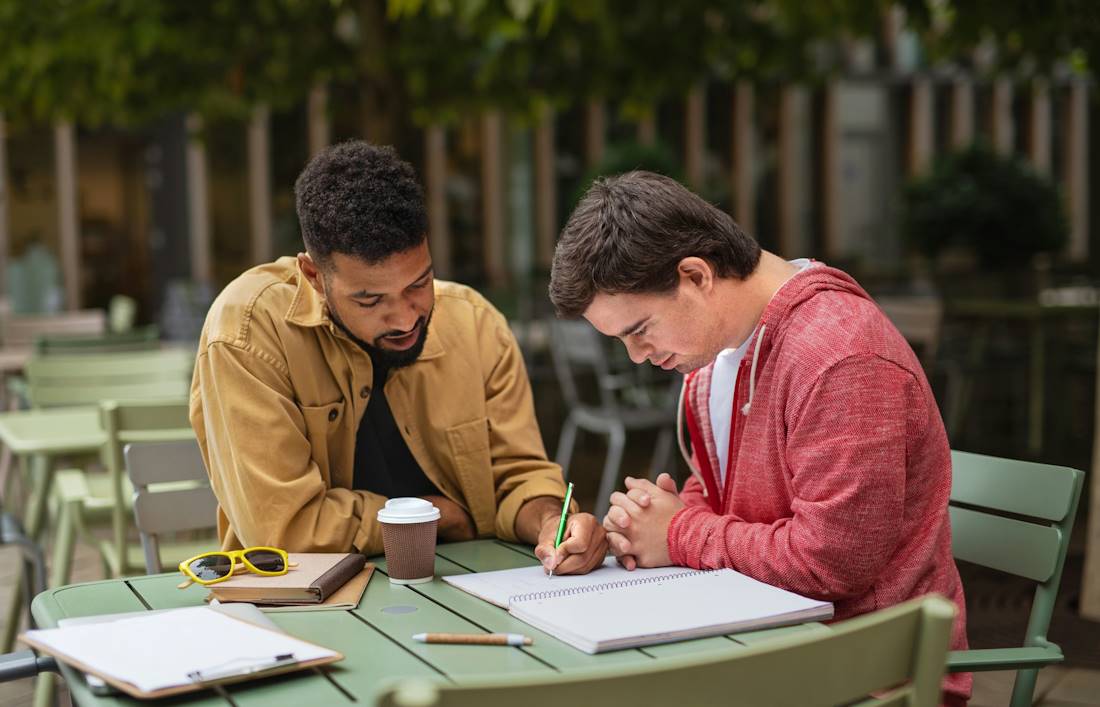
439, 222
317, 122
65, 164
259, 184
921, 125
831, 175
492, 188
1077, 168
695, 135
595, 131
198, 202
744, 156
647, 128
5, 209
962, 113
1004, 128
792, 171
546, 191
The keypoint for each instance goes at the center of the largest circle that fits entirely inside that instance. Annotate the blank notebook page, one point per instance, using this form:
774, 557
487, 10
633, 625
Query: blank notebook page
688, 605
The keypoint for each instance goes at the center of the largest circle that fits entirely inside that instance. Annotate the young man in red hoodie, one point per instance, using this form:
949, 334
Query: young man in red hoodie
819, 459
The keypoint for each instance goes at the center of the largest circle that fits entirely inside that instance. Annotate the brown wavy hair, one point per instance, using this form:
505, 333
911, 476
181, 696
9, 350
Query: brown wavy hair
629, 233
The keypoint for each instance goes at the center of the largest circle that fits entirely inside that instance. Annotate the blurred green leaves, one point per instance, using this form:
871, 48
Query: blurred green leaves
126, 61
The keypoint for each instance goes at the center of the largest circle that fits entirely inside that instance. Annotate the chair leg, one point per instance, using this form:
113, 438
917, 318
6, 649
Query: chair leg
566, 442
662, 449
1024, 689
15, 607
45, 690
616, 444
65, 544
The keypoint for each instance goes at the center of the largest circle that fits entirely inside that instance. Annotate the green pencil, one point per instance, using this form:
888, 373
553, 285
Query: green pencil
564, 514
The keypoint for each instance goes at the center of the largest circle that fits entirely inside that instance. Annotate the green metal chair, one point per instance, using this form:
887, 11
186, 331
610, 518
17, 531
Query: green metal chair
1042, 500
897, 654
145, 338
95, 497
172, 494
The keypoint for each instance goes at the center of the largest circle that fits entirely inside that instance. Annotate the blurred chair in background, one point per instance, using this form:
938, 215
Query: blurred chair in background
172, 494
121, 314
23, 331
625, 402
146, 338
151, 388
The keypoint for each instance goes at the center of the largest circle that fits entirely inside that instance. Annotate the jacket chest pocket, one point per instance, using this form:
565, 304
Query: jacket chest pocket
323, 425
469, 445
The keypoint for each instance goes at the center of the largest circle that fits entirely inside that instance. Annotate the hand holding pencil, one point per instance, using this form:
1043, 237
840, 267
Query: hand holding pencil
570, 543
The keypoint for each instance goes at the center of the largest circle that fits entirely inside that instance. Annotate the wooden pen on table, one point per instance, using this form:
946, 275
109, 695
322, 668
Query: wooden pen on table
475, 639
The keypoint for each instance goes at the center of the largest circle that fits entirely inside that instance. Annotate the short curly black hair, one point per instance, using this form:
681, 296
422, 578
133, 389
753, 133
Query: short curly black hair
362, 200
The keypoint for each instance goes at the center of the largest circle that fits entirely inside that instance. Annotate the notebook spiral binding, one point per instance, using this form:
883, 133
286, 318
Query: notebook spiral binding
570, 591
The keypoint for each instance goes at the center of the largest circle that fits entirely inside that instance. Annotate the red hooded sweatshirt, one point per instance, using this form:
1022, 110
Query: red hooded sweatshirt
839, 467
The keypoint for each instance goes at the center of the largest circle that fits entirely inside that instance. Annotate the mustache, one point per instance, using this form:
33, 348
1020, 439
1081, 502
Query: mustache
397, 332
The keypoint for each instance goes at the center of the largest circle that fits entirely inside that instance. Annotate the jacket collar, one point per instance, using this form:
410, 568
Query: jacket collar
308, 309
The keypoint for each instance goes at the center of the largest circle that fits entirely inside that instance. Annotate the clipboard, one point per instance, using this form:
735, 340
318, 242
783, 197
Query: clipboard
254, 666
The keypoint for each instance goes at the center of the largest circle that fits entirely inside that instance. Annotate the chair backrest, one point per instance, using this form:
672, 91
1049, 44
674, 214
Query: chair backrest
142, 339
23, 331
919, 319
1016, 517
898, 653
155, 420
578, 349
171, 492
88, 379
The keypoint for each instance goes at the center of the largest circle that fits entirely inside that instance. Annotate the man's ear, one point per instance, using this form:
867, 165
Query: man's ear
696, 273
312, 272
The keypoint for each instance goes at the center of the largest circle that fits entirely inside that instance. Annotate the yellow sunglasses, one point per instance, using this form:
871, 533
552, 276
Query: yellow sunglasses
218, 566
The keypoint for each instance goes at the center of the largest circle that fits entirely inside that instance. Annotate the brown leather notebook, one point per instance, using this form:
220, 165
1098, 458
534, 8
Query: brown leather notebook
316, 577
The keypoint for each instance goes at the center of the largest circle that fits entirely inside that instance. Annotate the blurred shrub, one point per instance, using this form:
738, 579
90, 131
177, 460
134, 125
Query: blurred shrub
997, 207
627, 156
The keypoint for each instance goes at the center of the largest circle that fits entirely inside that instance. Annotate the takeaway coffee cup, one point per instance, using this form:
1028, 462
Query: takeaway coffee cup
408, 536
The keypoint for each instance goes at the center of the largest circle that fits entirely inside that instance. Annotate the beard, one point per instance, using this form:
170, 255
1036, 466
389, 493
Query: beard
388, 358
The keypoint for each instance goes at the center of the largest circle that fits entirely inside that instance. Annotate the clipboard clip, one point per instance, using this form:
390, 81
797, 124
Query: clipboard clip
241, 666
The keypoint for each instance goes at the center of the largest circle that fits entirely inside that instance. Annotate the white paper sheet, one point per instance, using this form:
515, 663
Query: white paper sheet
159, 650
498, 586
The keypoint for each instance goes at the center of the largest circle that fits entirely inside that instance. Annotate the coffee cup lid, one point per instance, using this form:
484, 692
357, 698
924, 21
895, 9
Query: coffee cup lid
407, 510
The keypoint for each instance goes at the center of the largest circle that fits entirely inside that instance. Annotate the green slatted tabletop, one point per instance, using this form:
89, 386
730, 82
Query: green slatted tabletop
375, 639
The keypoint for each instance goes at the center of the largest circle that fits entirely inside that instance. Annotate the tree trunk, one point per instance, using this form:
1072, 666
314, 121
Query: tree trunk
962, 113
5, 227
793, 171
198, 202
317, 121
922, 119
435, 179
259, 185
381, 98
492, 198
695, 136
64, 136
595, 131
546, 191
744, 156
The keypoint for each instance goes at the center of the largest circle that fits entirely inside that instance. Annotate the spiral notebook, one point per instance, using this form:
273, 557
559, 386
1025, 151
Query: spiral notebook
610, 608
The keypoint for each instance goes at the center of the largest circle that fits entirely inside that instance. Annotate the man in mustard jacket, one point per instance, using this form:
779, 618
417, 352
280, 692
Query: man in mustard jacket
328, 383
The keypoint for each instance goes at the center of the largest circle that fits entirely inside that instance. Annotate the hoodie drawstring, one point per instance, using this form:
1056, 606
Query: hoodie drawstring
752, 371
680, 435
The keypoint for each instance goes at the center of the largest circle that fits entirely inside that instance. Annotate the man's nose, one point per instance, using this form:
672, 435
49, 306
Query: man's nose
637, 352
404, 318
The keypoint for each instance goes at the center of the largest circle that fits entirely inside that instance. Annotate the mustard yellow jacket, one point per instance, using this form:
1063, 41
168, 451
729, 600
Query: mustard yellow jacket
279, 391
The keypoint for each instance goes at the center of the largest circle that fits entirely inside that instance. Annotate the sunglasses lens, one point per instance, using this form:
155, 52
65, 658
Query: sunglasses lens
211, 566
266, 561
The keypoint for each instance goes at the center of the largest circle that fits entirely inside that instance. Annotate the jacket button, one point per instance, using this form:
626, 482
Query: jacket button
364, 391
332, 414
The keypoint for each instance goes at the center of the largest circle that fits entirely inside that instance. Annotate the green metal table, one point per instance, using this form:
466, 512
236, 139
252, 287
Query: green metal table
376, 638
